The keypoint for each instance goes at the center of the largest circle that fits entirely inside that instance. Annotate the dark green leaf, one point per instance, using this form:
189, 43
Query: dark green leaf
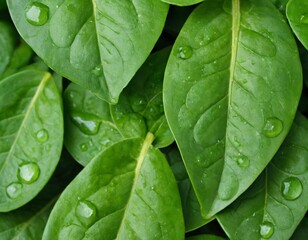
205, 237
301, 231
182, 2
130, 193
275, 204
297, 14
231, 89
6, 46
31, 136
97, 44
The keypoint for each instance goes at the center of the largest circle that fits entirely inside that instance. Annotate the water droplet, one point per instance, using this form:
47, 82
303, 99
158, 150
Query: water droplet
28, 172
304, 19
42, 135
87, 123
83, 147
185, 52
13, 190
98, 70
72, 232
86, 212
272, 127
291, 188
37, 14
242, 161
266, 230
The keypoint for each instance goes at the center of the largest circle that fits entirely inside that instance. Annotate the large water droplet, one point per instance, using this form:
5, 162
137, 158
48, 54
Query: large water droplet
185, 52
304, 19
13, 190
72, 232
87, 123
42, 135
86, 212
272, 127
242, 161
266, 230
291, 188
28, 172
37, 14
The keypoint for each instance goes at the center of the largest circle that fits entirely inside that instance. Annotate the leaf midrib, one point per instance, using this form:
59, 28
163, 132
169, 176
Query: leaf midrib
40, 88
143, 152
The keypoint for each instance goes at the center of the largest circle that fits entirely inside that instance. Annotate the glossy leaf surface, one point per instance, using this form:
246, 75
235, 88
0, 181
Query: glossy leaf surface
190, 205
6, 45
297, 14
182, 2
226, 64
31, 136
97, 44
90, 128
130, 193
275, 204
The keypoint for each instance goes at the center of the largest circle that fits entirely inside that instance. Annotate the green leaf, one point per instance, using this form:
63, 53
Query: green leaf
130, 193
301, 231
31, 136
182, 2
275, 204
97, 44
297, 14
281, 5
90, 128
6, 46
205, 237
226, 65
190, 205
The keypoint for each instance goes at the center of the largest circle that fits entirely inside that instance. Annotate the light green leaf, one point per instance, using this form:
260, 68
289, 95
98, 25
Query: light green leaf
297, 14
275, 204
130, 193
31, 136
90, 128
226, 65
182, 2
97, 44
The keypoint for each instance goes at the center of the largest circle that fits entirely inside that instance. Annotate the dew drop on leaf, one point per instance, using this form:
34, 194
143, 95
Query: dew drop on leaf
304, 19
37, 14
242, 161
266, 230
185, 52
72, 232
98, 70
28, 172
42, 135
86, 123
86, 212
291, 188
272, 127
83, 147
13, 190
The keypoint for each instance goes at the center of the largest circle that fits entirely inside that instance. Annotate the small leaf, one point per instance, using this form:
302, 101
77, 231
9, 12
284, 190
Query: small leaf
182, 2
297, 14
226, 65
97, 44
31, 136
6, 46
275, 204
130, 193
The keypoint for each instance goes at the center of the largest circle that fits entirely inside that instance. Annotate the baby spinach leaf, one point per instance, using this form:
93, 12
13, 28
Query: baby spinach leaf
205, 237
301, 231
275, 204
281, 5
226, 65
31, 136
130, 193
182, 2
6, 46
97, 44
90, 128
297, 14
190, 205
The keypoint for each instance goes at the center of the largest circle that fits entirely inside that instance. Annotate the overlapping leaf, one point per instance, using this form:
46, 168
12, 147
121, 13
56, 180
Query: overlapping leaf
97, 44
130, 193
182, 2
31, 136
231, 89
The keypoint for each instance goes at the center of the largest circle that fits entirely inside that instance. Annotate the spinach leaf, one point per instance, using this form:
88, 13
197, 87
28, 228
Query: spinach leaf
190, 205
301, 231
205, 237
90, 128
130, 193
31, 128
226, 65
182, 2
275, 204
97, 44
281, 5
297, 14
6, 45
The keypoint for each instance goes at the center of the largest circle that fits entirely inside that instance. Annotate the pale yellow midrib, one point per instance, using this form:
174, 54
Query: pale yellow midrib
144, 150
30, 107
